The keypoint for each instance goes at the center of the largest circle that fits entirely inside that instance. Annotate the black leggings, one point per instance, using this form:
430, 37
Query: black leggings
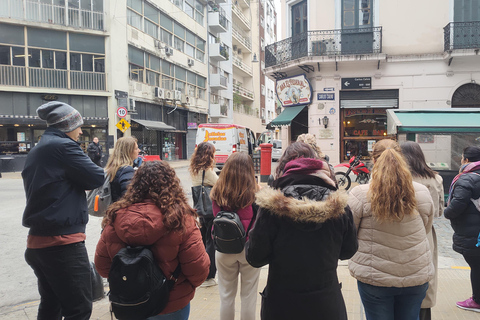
474, 263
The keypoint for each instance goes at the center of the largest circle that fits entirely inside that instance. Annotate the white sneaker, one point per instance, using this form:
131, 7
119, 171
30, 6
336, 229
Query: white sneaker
209, 283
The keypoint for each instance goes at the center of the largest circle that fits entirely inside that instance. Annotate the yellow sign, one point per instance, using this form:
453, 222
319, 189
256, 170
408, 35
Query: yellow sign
123, 125
214, 136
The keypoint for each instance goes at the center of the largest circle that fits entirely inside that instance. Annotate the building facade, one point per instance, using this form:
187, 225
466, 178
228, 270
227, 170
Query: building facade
361, 59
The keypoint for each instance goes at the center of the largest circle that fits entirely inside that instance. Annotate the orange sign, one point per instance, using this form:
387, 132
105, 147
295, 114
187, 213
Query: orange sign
214, 136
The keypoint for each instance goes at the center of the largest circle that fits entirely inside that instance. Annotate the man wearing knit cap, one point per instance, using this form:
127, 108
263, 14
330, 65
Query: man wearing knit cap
56, 174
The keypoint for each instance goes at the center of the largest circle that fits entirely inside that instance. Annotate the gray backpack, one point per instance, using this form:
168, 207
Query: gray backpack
99, 199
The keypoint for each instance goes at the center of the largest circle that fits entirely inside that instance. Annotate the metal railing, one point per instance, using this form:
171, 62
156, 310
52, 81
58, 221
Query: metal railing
31, 10
325, 43
245, 109
462, 35
51, 78
239, 63
241, 36
241, 16
243, 91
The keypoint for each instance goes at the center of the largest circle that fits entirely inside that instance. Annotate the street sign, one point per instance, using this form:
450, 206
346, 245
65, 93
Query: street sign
325, 96
357, 83
122, 112
123, 125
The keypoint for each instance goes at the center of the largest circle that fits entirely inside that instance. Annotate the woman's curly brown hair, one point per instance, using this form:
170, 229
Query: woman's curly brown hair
157, 181
203, 158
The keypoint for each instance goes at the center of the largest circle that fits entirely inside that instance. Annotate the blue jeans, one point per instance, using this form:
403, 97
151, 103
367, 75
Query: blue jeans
181, 314
392, 303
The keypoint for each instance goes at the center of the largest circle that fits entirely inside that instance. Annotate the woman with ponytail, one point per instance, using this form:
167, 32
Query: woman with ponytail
393, 215
463, 210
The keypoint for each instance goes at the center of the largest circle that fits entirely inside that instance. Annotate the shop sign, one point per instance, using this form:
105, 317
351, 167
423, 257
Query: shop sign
352, 112
192, 125
357, 83
325, 96
123, 125
49, 97
294, 91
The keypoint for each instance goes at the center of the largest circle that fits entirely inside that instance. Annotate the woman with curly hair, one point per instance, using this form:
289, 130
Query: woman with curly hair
154, 212
201, 169
235, 191
120, 165
393, 216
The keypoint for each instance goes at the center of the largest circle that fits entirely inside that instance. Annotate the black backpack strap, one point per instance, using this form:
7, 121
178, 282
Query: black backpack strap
174, 277
203, 177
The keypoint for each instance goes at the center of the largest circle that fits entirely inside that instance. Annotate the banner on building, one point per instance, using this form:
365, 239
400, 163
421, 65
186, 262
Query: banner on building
294, 91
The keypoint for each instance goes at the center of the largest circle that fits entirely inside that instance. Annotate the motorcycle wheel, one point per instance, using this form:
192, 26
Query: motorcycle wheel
343, 181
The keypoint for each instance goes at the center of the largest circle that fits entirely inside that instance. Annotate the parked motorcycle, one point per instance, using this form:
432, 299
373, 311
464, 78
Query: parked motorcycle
357, 167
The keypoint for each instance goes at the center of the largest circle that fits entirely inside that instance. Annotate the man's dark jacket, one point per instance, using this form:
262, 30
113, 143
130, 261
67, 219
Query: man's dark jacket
463, 215
56, 174
94, 151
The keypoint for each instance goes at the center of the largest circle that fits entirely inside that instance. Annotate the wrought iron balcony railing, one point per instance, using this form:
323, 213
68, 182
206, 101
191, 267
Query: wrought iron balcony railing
462, 35
325, 43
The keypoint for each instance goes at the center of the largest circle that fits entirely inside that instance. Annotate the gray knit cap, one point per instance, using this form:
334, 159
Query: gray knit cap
60, 115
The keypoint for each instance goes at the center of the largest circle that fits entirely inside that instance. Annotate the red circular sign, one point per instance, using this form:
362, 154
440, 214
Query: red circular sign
122, 112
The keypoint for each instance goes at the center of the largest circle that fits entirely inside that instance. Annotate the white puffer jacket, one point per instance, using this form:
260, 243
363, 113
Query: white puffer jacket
392, 254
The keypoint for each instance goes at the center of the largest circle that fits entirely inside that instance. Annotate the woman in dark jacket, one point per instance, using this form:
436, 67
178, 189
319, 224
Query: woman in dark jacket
120, 166
303, 227
463, 210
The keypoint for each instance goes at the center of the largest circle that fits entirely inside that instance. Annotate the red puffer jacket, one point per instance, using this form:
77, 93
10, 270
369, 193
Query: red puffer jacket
142, 224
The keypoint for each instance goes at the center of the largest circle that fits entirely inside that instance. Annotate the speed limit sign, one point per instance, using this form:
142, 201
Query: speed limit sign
122, 112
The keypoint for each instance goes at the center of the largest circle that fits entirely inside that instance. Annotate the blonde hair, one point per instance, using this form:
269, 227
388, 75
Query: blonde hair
311, 140
121, 156
391, 190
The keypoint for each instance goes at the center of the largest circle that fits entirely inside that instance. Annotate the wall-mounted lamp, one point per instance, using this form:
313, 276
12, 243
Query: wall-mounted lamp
323, 121
254, 58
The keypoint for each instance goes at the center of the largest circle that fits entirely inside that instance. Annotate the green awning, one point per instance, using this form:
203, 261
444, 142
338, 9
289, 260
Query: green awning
433, 121
285, 118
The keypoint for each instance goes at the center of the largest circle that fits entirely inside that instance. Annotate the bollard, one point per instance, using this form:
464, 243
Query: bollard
265, 161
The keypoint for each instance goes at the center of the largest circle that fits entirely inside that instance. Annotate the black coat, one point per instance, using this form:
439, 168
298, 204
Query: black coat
301, 232
121, 181
56, 174
463, 215
94, 151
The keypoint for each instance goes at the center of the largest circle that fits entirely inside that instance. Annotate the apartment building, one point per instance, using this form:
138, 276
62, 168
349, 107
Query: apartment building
343, 63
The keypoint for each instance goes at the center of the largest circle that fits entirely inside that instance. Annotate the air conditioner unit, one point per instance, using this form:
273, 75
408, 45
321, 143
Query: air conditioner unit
158, 44
159, 93
168, 94
191, 62
168, 51
185, 99
178, 95
131, 105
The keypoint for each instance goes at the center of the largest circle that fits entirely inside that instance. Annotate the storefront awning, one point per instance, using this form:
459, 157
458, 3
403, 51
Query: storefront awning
154, 125
285, 118
433, 121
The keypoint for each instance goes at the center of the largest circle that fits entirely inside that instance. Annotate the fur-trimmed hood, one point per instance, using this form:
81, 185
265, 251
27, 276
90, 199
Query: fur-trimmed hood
302, 210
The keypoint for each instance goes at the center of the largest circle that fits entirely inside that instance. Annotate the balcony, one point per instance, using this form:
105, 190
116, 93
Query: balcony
325, 43
52, 78
462, 35
243, 92
218, 106
217, 21
246, 109
32, 10
218, 52
219, 82
243, 3
240, 38
245, 70
240, 18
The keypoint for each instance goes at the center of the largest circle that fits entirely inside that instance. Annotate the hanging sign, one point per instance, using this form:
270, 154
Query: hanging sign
294, 91
123, 125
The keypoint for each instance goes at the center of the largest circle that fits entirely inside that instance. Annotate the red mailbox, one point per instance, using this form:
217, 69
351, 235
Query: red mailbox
265, 161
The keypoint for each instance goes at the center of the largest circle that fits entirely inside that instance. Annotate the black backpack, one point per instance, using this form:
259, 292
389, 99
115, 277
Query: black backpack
138, 288
228, 233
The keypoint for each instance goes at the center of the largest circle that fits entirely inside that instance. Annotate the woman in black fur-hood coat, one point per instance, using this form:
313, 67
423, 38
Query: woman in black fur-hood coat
303, 227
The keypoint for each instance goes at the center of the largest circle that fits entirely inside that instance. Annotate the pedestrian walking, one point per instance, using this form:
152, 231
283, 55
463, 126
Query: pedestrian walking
201, 171
393, 215
94, 151
422, 174
154, 212
235, 191
463, 211
120, 166
56, 174
303, 227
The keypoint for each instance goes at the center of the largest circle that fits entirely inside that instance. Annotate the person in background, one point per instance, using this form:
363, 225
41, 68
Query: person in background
120, 166
463, 211
203, 161
393, 215
422, 174
311, 140
56, 174
303, 228
154, 212
94, 151
235, 191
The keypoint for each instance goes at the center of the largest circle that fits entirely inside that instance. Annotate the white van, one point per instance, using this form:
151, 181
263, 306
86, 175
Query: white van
227, 139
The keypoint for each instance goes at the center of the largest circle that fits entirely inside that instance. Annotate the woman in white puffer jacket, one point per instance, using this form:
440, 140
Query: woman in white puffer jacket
393, 215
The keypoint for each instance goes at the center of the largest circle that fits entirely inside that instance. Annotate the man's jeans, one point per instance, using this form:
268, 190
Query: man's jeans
392, 303
64, 283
